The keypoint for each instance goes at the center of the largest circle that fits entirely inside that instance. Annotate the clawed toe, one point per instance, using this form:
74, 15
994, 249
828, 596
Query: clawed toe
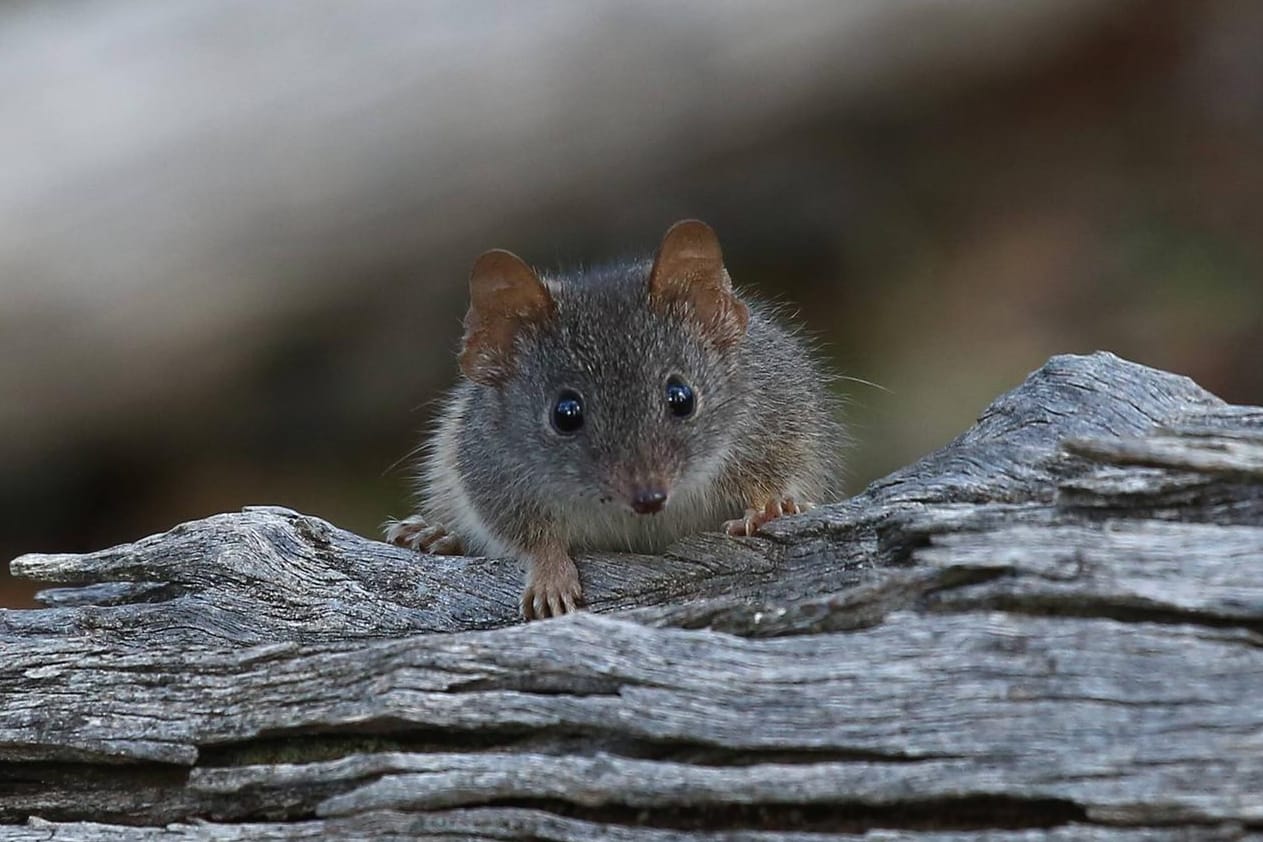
747, 525
793, 507
446, 545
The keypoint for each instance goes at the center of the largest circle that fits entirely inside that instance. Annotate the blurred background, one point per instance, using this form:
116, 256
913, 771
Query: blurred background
235, 236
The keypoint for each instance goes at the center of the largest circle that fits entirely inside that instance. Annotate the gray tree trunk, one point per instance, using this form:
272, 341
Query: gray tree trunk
1049, 629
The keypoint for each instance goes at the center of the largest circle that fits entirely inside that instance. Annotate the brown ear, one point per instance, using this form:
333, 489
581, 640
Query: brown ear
689, 271
505, 298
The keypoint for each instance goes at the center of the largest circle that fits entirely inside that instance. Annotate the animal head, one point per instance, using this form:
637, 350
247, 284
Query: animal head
620, 384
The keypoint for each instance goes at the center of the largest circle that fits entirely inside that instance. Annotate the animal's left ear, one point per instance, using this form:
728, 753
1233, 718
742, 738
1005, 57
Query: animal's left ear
689, 272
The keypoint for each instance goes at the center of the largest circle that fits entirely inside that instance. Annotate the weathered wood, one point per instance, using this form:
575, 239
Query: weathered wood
1051, 628
500, 823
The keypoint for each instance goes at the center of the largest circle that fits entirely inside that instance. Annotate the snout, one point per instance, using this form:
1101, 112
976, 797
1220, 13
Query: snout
641, 485
646, 501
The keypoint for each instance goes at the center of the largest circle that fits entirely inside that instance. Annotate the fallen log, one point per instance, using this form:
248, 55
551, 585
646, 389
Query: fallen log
1049, 628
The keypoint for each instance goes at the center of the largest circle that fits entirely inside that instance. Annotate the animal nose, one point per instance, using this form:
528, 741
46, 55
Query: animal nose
648, 500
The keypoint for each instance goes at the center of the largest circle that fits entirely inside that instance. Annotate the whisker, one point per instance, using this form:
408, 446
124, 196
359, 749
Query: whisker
410, 456
862, 381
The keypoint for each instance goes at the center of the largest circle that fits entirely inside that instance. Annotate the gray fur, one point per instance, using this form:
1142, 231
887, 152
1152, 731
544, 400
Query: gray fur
500, 477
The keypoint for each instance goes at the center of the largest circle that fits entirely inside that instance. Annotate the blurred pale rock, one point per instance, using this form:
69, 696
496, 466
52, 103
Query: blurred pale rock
181, 181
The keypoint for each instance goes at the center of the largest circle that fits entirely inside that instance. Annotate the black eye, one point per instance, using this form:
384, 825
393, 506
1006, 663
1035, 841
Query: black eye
568, 412
680, 398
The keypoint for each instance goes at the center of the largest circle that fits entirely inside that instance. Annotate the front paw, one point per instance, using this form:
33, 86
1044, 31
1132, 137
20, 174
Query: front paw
552, 589
755, 517
417, 534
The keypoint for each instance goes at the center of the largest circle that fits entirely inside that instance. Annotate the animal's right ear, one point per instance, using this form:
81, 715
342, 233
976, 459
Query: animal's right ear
506, 297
